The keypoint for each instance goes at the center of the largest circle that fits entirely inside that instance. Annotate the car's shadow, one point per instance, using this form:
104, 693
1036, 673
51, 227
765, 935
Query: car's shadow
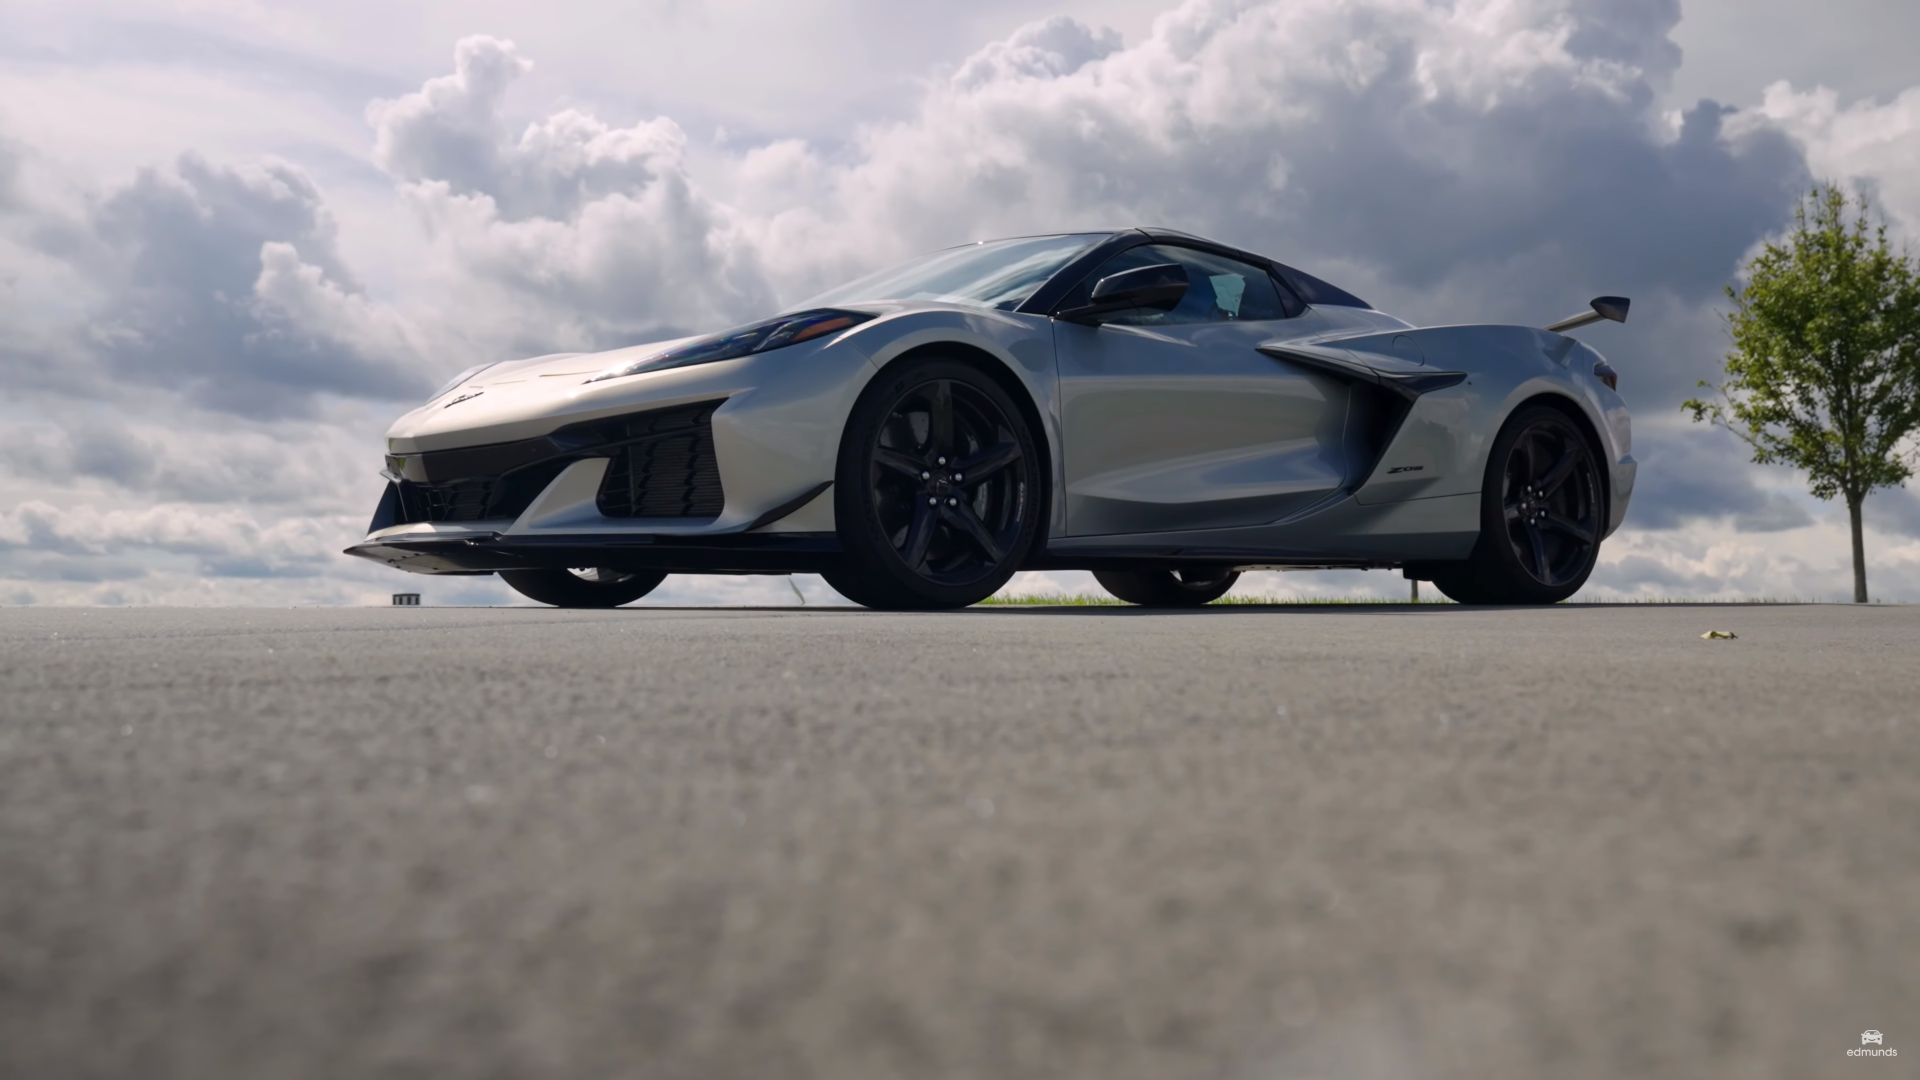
1125, 611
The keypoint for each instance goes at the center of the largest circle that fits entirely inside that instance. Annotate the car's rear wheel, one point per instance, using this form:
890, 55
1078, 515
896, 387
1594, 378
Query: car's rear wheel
1168, 588
938, 492
1542, 509
584, 588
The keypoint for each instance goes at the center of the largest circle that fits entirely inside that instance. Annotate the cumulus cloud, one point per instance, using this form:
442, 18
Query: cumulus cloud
1500, 156
318, 466
1689, 476
1716, 562
1872, 144
221, 285
454, 128
212, 279
1894, 511
601, 226
1046, 49
9, 175
453, 131
1419, 142
228, 542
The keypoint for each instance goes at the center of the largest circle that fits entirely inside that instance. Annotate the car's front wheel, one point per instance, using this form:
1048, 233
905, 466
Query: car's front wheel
1168, 588
938, 492
1542, 510
585, 588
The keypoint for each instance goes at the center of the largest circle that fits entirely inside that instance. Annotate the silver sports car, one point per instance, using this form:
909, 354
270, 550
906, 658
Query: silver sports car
1160, 409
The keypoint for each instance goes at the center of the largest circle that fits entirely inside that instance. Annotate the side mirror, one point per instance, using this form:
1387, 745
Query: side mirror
1160, 287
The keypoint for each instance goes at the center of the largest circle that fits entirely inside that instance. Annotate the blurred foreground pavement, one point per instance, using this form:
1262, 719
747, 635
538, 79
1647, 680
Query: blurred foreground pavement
1241, 843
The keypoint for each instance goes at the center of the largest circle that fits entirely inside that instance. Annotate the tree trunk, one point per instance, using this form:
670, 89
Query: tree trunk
1859, 551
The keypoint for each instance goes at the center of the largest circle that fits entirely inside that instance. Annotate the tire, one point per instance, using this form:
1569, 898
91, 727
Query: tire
938, 493
1168, 588
583, 588
1459, 586
1542, 510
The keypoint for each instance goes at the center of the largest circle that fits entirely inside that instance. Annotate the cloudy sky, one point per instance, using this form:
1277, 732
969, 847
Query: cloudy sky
237, 237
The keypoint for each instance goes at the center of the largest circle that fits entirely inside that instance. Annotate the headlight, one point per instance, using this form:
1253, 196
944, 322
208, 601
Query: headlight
775, 333
460, 378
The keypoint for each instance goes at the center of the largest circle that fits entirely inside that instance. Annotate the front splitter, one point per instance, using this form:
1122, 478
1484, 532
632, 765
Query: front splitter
771, 553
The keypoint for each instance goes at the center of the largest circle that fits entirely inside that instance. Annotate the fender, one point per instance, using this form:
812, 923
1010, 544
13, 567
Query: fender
1007, 339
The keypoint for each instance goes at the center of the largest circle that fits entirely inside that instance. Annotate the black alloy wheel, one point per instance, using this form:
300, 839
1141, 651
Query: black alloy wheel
584, 588
1190, 587
1541, 515
938, 493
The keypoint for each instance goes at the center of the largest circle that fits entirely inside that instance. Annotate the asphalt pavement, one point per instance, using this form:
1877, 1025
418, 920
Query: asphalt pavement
1240, 843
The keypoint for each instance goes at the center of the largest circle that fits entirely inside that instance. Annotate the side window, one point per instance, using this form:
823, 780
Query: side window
1219, 289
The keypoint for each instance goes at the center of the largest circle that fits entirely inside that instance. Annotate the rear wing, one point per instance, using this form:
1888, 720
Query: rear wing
1613, 308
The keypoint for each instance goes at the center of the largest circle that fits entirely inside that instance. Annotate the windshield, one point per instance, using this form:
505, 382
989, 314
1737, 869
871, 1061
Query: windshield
993, 274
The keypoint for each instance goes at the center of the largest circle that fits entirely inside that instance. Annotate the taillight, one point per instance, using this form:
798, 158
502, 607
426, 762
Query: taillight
1606, 374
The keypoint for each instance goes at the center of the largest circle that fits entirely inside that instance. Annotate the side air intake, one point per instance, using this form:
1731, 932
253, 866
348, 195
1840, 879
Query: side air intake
667, 468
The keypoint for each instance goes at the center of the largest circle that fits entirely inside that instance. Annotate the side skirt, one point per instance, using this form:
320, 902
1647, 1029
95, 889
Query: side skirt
1160, 558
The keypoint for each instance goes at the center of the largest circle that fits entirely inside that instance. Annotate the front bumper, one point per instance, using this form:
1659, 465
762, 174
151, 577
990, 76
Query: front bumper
642, 491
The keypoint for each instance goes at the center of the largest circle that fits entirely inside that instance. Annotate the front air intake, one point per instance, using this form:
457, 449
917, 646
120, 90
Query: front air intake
660, 465
461, 500
666, 469
455, 500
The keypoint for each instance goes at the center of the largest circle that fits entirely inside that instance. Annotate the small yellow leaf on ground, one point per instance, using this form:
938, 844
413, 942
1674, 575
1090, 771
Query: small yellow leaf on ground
1728, 634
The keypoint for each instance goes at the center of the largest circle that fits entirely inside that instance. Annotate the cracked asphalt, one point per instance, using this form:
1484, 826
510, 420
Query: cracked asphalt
1240, 843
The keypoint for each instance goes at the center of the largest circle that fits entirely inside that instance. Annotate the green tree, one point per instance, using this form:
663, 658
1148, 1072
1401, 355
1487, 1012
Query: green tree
1824, 375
